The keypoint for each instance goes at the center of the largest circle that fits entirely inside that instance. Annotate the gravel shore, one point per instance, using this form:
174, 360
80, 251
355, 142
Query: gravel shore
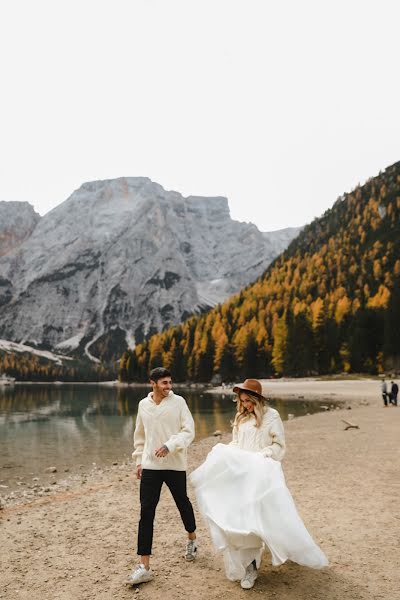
79, 543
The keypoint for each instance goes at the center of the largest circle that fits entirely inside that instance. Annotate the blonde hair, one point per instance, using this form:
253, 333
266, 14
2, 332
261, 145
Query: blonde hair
243, 414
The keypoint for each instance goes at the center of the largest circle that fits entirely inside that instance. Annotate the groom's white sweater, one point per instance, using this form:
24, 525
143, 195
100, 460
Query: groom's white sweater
169, 423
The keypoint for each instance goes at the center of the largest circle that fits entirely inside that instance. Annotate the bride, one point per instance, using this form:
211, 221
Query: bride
242, 495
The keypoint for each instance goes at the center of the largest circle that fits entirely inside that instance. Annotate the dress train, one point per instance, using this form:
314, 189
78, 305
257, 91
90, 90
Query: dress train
244, 499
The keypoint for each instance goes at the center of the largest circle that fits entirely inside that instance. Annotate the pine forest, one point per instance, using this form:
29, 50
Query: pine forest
329, 304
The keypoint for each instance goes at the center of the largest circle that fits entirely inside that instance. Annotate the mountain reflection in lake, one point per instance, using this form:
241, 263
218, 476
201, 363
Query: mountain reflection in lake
69, 426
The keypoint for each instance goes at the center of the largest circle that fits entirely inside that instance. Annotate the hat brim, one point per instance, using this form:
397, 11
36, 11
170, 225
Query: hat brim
237, 389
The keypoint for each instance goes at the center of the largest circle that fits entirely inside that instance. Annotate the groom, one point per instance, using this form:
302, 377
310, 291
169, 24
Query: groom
164, 429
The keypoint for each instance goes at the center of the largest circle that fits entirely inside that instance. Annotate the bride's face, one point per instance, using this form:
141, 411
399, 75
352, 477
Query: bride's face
246, 401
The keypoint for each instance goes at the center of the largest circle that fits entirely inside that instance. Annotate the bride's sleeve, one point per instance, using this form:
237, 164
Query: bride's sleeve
235, 437
276, 449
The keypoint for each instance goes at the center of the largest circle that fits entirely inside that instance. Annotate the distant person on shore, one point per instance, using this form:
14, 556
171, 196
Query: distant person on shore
394, 390
242, 494
164, 430
384, 392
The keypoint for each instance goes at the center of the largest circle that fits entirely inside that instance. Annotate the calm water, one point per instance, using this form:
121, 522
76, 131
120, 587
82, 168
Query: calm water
67, 426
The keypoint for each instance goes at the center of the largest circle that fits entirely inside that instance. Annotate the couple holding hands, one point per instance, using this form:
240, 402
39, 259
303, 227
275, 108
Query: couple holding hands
240, 488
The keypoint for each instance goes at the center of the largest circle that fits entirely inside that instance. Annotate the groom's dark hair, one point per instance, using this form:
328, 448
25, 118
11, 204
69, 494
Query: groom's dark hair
159, 373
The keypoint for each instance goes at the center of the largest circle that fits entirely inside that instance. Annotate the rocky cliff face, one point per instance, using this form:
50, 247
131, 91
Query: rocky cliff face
17, 221
122, 258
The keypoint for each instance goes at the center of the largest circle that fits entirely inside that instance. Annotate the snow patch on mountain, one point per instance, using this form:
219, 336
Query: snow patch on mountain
72, 343
16, 347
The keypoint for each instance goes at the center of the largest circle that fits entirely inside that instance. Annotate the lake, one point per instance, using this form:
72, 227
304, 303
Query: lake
76, 426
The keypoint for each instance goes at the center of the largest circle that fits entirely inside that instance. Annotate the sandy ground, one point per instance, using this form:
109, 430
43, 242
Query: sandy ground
80, 544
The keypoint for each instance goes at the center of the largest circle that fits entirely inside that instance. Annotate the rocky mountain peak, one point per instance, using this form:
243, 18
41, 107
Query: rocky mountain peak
122, 258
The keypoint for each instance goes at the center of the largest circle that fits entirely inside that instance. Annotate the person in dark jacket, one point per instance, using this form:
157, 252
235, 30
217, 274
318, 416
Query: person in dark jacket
394, 390
385, 393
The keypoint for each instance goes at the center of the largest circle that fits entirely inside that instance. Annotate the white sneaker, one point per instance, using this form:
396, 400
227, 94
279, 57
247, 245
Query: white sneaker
250, 576
191, 550
140, 575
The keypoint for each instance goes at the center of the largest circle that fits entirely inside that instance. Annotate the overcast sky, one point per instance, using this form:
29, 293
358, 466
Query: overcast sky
279, 105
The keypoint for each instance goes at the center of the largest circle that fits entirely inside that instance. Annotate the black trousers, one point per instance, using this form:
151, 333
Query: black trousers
150, 489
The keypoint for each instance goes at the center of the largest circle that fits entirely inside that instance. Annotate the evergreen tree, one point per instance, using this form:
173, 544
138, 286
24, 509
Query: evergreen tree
205, 361
300, 346
280, 347
391, 346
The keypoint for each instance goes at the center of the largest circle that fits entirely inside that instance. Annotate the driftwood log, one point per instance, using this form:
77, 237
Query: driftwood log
350, 425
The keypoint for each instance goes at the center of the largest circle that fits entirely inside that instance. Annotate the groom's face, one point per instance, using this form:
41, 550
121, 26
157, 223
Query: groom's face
163, 386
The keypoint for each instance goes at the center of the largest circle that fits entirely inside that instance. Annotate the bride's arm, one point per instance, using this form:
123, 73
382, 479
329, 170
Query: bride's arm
276, 449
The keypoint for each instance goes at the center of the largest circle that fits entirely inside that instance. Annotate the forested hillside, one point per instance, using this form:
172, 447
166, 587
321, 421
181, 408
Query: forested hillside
330, 303
29, 367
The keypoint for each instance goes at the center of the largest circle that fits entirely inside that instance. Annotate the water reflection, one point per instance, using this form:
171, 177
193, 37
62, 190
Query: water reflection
24, 404
72, 425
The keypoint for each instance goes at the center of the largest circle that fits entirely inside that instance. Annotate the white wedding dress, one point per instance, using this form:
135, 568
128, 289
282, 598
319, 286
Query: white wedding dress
244, 499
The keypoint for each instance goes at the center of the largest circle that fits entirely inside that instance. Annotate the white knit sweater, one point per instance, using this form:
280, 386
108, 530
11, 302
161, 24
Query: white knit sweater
169, 423
268, 439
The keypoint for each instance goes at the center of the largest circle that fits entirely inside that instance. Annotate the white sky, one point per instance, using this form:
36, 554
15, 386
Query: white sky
279, 105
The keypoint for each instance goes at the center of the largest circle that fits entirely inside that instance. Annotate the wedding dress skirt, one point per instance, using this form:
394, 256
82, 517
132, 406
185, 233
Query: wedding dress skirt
247, 506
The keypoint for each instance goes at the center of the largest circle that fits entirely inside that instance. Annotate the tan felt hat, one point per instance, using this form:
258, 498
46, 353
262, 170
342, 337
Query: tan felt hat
253, 386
